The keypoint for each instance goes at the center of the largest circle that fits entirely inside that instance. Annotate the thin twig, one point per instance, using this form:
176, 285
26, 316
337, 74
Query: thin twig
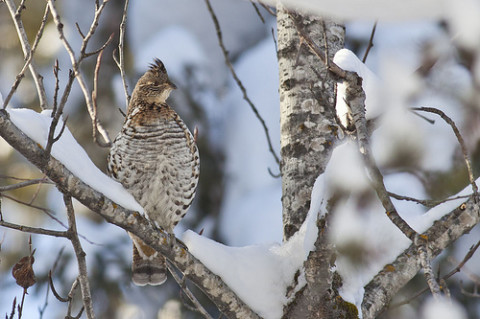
55, 293
274, 40
370, 42
121, 57
33, 230
259, 14
181, 282
460, 141
41, 311
95, 87
25, 183
14, 177
47, 211
96, 126
20, 306
80, 254
51, 132
100, 49
237, 80
79, 30
28, 53
459, 137
269, 10
56, 68
70, 298
66, 91
426, 202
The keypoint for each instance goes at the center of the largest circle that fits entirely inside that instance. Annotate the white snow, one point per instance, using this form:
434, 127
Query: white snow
463, 17
443, 308
345, 171
71, 154
348, 61
260, 274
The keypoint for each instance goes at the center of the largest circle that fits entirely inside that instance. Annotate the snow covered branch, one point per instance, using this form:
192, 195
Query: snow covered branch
355, 98
132, 221
379, 292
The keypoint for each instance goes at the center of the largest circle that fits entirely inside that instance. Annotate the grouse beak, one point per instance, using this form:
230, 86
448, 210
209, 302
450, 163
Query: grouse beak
171, 85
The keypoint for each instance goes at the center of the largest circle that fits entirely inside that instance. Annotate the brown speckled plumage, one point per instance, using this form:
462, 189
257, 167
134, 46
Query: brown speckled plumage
156, 159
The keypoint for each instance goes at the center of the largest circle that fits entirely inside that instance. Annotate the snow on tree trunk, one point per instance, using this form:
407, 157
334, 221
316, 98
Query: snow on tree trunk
308, 131
307, 104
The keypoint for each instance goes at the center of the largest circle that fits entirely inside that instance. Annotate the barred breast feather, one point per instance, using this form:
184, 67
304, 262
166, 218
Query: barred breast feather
155, 157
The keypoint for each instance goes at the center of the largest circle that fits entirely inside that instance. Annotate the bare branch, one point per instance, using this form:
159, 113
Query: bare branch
97, 51
459, 137
370, 42
80, 254
55, 293
355, 98
48, 212
24, 184
257, 11
212, 285
95, 92
181, 282
121, 57
70, 299
33, 230
51, 132
93, 27
96, 126
56, 68
28, 54
79, 30
66, 91
239, 83
269, 10
426, 202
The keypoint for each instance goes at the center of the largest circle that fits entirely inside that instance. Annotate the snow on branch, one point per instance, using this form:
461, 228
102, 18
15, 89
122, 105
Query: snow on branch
125, 217
386, 284
429, 241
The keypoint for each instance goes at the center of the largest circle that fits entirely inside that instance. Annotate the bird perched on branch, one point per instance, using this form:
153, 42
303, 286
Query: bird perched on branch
156, 159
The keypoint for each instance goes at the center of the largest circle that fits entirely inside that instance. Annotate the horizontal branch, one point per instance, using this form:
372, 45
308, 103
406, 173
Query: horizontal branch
212, 285
33, 230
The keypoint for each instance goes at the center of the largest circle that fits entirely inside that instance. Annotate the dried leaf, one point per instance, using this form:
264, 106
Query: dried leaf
23, 272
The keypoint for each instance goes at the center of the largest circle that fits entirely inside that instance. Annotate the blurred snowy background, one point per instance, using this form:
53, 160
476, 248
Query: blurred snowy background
238, 201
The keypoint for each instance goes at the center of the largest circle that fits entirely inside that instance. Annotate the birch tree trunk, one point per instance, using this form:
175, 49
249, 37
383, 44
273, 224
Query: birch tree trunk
308, 130
307, 103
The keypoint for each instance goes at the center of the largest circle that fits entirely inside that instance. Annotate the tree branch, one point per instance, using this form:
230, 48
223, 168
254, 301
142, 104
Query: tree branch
80, 254
460, 140
386, 284
239, 83
28, 53
121, 54
212, 285
97, 127
355, 98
